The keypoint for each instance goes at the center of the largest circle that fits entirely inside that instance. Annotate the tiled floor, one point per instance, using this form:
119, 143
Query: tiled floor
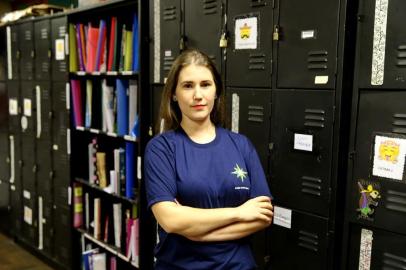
14, 257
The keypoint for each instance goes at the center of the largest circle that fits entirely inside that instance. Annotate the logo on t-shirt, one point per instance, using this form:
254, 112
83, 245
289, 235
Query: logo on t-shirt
239, 173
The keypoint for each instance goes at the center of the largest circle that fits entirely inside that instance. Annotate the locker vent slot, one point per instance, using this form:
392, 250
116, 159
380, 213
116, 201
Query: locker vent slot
258, 3
256, 62
401, 56
396, 201
45, 67
170, 13
314, 118
311, 185
317, 60
62, 31
168, 61
308, 240
209, 7
399, 123
44, 33
27, 35
255, 113
391, 261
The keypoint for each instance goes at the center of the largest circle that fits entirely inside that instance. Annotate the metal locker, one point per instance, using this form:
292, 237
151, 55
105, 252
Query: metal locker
3, 107
170, 35
29, 218
43, 117
249, 50
60, 143
28, 112
62, 236
205, 37
13, 45
26, 41
300, 242
250, 114
3, 54
42, 49
15, 184
14, 106
375, 249
382, 61
157, 90
302, 135
59, 57
307, 43
45, 225
4, 157
381, 119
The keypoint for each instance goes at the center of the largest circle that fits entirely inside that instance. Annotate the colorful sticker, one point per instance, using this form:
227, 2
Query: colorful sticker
389, 157
246, 33
369, 195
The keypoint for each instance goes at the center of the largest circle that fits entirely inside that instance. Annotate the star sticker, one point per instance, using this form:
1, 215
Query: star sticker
240, 173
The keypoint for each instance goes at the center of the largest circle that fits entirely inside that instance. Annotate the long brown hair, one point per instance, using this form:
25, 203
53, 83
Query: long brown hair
170, 112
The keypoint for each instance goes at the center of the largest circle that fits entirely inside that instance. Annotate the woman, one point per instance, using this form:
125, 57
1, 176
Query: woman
205, 184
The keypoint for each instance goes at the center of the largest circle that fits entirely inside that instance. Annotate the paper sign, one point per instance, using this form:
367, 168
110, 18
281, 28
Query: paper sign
60, 49
320, 79
365, 250
303, 142
308, 34
13, 106
28, 215
27, 107
282, 217
246, 33
389, 157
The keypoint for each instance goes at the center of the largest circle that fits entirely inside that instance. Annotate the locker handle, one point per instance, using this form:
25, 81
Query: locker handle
39, 122
275, 34
12, 160
40, 224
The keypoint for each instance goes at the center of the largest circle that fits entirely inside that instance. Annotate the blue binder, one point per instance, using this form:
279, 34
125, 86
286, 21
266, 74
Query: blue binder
122, 107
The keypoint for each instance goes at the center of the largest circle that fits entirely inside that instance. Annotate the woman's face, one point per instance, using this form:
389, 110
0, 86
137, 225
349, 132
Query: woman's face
195, 93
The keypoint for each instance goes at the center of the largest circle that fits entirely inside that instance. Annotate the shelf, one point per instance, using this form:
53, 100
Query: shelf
110, 134
108, 74
112, 249
96, 187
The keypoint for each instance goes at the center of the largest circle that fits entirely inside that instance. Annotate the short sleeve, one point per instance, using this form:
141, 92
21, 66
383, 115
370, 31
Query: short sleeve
259, 184
159, 171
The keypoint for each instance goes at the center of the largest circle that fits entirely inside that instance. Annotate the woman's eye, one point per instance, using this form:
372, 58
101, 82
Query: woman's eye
206, 84
187, 85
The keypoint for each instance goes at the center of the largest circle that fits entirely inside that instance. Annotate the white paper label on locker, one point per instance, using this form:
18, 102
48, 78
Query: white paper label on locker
308, 34
282, 217
60, 49
320, 79
28, 215
27, 107
168, 53
389, 157
27, 194
246, 33
365, 250
12, 106
303, 142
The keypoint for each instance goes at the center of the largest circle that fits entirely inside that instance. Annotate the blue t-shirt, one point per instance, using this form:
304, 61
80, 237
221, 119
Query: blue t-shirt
223, 173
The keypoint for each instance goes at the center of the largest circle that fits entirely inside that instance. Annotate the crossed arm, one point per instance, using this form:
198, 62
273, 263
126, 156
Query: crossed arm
218, 224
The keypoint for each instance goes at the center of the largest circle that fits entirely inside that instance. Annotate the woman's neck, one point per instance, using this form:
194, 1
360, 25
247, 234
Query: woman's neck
199, 132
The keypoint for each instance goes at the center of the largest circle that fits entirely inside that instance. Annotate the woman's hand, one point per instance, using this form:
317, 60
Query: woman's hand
259, 208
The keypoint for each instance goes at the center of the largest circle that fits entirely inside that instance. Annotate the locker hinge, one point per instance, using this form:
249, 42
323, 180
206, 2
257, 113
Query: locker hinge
33, 54
34, 168
334, 114
275, 34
